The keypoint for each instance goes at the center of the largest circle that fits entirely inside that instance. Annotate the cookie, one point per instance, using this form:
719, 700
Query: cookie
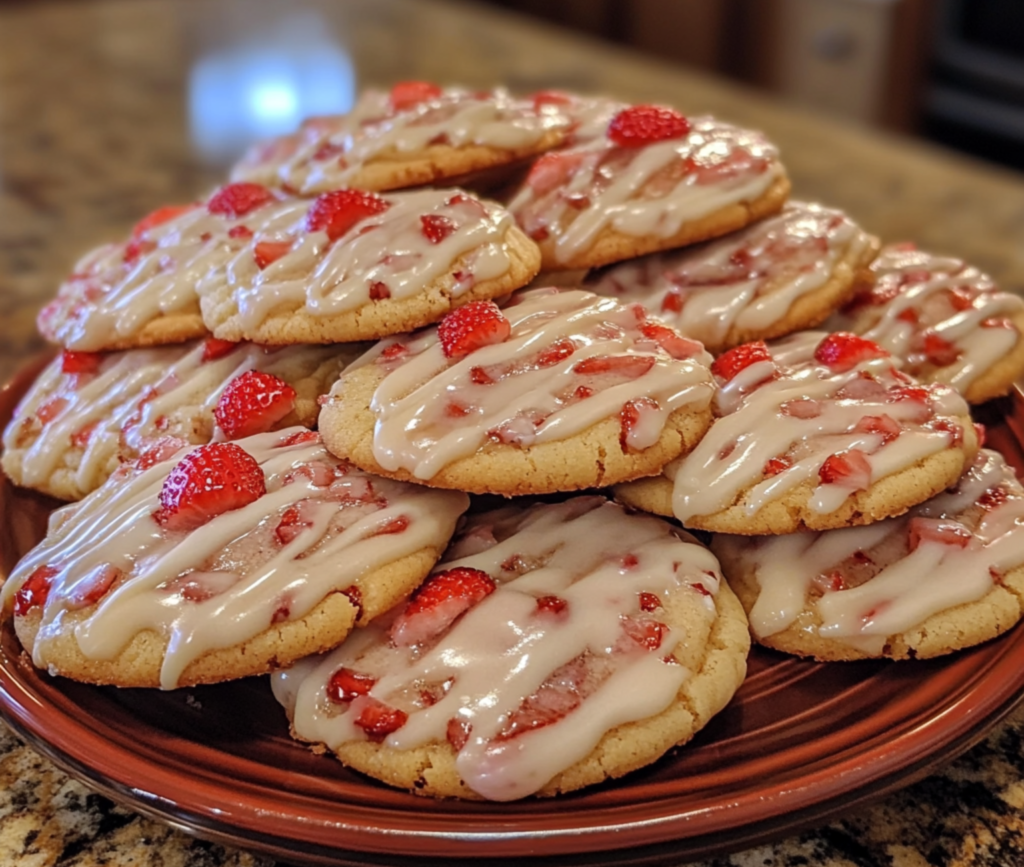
223, 561
947, 575
88, 412
816, 432
558, 391
352, 265
945, 319
655, 181
416, 134
782, 274
574, 644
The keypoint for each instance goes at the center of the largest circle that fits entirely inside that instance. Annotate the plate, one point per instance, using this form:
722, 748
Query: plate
800, 743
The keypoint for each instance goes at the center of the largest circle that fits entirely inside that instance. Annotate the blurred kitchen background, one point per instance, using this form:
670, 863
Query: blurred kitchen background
951, 71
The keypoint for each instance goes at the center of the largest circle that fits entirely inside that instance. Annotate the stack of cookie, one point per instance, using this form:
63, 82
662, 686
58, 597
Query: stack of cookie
358, 277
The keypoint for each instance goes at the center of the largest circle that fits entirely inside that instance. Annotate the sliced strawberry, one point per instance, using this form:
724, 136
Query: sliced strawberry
379, 720
945, 425
80, 362
641, 125
346, 685
158, 217
774, 466
939, 351
291, 525
237, 200
801, 407
393, 526
937, 530
209, 481
520, 430
34, 590
409, 94
436, 227
627, 366
379, 291
267, 252
240, 231
458, 732
730, 363
673, 301
214, 348
338, 211
301, 437
93, 586
673, 343
883, 424
137, 247
80, 438
51, 409
554, 606
253, 403
843, 351
558, 696
552, 171
632, 436
648, 601
468, 328
438, 603
643, 632
558, 351
159, 450
849, 468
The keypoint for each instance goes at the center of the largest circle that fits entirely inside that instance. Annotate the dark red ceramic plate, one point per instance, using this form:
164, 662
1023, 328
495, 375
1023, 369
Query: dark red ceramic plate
799, 743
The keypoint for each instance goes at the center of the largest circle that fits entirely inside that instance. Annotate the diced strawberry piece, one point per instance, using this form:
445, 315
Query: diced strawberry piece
850, 469
158, 217
558, 696
648, 601
93, 586
409, 94
240, 231
582, 392
436, 227
960, 298
673, 343
912, 393
438, 603
955, 431
883, 424
51, 409
253, 403
80, 438
34, 590
346, 685
292, 524
843, 351
379, 291
550, 97
475, 325
552, 171
940, 351
137, 247
730, 363
993, 498
80, 362
552, 605
267, 252
630, 561
214, 348
700, 588
627, 366
237, 200
379, 720
328, 151
338, 211
936, 530
158, 451
396, 525
630, 417
673, 301
643, 632
300, 438
558, 351
830, 582
209, 481
908, 314
641, 125
804, 408
458, 732
774, 466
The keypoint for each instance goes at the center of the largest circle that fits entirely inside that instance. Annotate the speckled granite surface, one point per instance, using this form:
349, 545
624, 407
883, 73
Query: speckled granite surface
102, 118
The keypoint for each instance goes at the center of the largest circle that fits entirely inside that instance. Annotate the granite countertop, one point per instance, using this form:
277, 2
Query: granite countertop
107, 111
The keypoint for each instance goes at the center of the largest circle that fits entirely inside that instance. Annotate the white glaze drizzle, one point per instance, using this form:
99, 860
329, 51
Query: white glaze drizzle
502, 650
251, 575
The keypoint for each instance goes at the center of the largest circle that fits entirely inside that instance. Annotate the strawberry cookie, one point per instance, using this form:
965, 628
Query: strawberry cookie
946, 320
654, 181
558, 646
222, 561
416, 134
816, 432
780, 275
352, 265
947, 575
141, 292
88, 412
556, 392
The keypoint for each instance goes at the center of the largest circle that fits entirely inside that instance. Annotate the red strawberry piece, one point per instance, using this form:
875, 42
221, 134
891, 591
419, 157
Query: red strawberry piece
253, 403
80, 362
291, 525
550, 97
301, 437
642, 632
993, 498
552, 171
438, 603
641, 125
243, 232
628, 366
379, 291
648, 601
159, 217
630, 417
338, 211
214, 348
137, 247
843, 351
409, 94
393, 352
51, 409
801, 407
454, 409
940, 351
80, 438
552, 605
908, 315
267, 252
883, 424
379, 720
458, 732
34, 591
849, 468
937, 530
477, 324
237, 200
674, 344
558, 696
158, 451
630, 561
916, 394
398, 524
774, 466
346, 685
93, 586
960, 298
730, 363
673, 301
955, 431
436, 227
209, 481
558, 351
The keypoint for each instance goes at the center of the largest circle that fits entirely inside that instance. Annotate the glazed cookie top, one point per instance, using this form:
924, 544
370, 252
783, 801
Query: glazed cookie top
105, 404
403, 124
947, 320
118, 289
652, 171
545, 630
745, 282
546, 367
348, 248
869, 583
213, 546
828, 409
